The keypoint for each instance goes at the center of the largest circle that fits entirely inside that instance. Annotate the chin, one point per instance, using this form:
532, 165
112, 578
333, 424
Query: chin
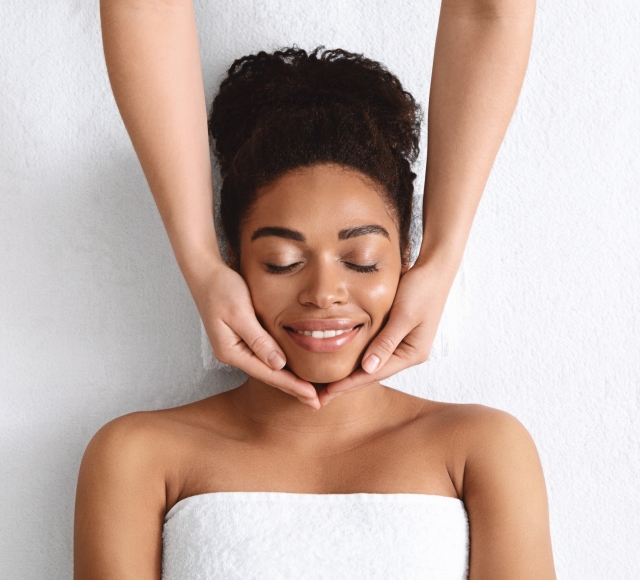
322, 371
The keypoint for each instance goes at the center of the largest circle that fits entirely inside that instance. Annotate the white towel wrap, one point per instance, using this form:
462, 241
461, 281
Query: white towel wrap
268, 535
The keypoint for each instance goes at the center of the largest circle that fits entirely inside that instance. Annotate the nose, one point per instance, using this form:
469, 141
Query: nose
323, 286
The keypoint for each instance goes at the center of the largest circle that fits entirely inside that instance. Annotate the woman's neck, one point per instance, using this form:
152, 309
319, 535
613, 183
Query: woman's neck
278, 417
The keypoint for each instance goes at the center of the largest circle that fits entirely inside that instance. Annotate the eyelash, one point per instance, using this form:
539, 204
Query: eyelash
362, 269
273, 269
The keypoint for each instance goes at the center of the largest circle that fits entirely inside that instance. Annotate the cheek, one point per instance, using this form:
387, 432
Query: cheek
270, 294
377, 296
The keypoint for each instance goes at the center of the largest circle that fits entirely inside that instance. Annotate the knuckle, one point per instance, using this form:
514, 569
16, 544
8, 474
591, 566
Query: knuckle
258, 343
387, 344
221, 356
226, 351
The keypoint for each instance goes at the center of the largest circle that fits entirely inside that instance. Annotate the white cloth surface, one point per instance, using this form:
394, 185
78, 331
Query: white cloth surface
268, 535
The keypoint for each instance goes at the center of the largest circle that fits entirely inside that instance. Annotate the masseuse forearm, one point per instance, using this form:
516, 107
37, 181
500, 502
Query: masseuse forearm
152, 55
481, 54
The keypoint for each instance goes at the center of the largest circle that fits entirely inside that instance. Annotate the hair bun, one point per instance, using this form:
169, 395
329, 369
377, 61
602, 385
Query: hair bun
268, 84
278, 111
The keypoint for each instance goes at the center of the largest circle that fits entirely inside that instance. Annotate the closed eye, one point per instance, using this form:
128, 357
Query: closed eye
362, 269
273, 269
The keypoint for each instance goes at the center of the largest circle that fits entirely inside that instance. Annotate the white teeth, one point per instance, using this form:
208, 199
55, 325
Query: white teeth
323, 333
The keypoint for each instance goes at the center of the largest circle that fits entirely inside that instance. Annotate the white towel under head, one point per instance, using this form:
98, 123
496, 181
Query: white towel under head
268, 535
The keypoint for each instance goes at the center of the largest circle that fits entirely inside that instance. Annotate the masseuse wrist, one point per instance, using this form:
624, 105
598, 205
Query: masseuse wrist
199, 261
442, 259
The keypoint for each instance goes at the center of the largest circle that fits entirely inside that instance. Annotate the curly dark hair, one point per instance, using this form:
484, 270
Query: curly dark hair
288, 109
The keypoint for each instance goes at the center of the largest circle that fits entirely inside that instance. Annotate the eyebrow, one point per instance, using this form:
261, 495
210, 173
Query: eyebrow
348, 233
297, 236
285, 233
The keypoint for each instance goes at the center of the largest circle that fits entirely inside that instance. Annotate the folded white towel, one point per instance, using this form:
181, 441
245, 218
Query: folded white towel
238, 535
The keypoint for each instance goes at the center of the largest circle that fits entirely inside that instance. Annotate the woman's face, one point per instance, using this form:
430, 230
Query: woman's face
320, 252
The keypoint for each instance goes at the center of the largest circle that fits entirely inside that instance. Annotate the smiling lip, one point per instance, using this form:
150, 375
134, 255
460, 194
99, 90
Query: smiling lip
323, 336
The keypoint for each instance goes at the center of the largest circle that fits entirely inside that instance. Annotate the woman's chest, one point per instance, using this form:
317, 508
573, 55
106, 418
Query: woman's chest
402, 461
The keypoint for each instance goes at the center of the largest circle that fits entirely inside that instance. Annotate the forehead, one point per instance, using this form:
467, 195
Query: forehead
321, 198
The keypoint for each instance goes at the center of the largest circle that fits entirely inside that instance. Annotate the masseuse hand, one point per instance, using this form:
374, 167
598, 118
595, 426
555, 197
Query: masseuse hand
407, 337
225, 306
151, 48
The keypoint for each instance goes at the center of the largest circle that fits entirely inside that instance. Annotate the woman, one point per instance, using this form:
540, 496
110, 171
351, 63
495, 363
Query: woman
481, 53
315, 151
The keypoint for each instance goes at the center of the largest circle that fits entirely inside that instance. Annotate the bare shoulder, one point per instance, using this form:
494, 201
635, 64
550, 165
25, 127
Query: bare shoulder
466, 415
129, 438
476, 429
121, 498
491, 440
146, 438
131, 429
136, 432
126, 454
498, 474
132, 468
479, 428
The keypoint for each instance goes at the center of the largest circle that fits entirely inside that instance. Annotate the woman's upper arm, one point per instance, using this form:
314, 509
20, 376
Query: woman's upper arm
506, 500
120, 503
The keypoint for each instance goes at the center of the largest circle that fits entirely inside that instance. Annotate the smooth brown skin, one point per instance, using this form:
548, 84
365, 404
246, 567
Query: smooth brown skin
255, 438
326, 285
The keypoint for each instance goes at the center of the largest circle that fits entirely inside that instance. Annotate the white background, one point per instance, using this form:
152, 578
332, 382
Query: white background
544, 320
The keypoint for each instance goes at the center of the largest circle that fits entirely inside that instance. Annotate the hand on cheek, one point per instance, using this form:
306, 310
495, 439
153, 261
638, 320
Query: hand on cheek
320, 252
407, 337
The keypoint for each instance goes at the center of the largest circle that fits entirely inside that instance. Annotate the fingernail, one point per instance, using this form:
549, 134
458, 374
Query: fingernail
371, 363
276, 360
314, 404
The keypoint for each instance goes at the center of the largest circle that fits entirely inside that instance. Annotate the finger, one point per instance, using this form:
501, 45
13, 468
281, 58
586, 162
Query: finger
231, 349
398, 326
243, 358
404, 357
323, 396
326, 397
357, 378
259, 341
284, 380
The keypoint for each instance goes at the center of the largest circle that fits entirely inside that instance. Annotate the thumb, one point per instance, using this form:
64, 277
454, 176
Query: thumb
386, 342
259, 341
